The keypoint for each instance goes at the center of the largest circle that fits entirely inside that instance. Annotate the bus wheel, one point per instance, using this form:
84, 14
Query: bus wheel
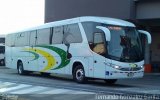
79, 74
2, 62
110, 81
20, 68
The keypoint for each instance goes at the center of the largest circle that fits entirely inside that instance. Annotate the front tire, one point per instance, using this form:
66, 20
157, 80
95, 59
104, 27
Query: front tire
79, 74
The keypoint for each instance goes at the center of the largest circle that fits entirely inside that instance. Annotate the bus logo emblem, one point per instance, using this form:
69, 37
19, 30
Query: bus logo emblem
133, 65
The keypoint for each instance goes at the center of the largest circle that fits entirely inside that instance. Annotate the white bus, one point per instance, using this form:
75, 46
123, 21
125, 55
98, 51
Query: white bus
85, 47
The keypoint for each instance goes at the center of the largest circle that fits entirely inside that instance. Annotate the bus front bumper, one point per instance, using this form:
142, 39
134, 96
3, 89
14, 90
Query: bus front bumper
124, 74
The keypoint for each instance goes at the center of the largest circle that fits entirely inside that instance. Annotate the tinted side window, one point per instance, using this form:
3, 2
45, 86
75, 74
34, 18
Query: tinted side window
9, 40
89, 28
21, 39
72, 34
57, 35
33, 38
43, 36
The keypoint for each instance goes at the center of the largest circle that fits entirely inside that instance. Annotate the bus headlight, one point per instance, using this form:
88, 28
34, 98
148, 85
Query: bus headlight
115, 66
142, 66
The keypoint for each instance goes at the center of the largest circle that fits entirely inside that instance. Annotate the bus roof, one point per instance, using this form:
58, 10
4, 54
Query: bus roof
105, 20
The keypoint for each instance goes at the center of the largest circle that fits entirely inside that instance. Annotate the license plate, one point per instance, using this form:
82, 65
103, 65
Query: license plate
130, 74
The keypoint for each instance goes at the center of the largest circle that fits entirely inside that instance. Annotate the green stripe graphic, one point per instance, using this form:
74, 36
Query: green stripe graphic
61, 53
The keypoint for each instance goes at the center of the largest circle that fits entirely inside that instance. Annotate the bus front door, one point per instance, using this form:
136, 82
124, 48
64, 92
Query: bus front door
99, 49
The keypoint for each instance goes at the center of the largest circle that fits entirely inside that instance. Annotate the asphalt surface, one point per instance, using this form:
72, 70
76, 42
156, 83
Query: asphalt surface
146, 87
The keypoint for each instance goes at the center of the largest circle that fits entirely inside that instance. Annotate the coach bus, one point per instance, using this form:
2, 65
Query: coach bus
84, 47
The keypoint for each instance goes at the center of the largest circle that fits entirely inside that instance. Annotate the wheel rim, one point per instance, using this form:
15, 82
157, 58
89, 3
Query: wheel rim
79, 74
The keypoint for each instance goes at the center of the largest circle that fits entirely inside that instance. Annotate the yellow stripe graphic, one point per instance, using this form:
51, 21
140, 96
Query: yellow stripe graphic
50, 59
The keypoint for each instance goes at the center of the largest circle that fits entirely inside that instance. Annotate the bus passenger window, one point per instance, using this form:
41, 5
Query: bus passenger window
10, 40
43, 36
33, 35
72, 34
57, 35
21, 39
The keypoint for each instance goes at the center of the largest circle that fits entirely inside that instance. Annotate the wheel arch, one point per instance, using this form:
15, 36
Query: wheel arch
76, 63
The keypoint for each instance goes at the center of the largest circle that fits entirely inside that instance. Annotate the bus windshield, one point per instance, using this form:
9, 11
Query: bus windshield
124, 46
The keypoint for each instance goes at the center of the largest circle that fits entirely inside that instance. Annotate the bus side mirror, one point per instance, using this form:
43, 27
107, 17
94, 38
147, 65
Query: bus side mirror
147, 34
106, 32
69, 55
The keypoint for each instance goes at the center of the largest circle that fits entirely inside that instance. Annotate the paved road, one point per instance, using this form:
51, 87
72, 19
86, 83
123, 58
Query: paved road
37, 86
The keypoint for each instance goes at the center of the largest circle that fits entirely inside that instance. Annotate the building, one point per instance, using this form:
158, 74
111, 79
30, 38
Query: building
144, 13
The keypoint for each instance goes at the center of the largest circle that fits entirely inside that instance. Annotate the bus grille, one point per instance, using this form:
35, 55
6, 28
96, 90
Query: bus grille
131, 69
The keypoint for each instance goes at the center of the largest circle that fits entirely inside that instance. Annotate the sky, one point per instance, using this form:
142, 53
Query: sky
20, 14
